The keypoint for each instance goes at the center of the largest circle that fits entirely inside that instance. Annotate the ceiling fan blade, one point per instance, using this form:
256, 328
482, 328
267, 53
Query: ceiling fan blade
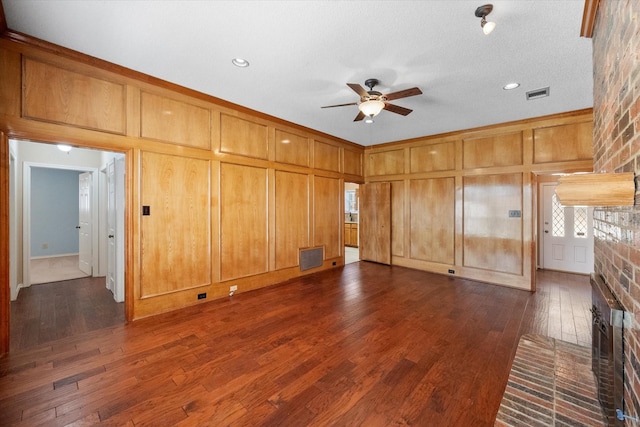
403, 93
358, 89
396, 109
340, 105
359, 117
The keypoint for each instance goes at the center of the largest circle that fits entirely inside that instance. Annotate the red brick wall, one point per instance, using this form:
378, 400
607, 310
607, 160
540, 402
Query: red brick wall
616, 109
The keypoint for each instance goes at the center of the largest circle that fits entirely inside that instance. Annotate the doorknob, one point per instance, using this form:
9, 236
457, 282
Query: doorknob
77, 226
546, 231
111, 236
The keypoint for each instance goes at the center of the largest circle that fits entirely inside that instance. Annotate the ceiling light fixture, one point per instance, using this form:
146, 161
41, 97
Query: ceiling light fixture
510, 86
371, 107
368, 120
239, 62
482, 12
64, 147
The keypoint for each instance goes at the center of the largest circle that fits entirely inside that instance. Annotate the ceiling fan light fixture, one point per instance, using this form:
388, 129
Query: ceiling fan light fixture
371, 107
369, 119
482, 12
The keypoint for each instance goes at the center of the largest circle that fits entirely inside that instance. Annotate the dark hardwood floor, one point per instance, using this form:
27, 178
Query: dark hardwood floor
360, 345
51, 311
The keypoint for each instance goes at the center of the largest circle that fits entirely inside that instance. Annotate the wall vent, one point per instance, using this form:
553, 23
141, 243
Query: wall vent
311, 258
538, 93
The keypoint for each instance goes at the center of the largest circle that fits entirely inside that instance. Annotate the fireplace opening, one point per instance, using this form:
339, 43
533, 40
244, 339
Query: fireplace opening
607, 350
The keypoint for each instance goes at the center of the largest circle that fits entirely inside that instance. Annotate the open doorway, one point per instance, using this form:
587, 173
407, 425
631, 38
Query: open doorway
79, 236
351, 222
565, 233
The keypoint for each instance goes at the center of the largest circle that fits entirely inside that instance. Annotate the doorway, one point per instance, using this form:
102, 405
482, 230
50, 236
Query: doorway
565, 234
79, 293
351, 222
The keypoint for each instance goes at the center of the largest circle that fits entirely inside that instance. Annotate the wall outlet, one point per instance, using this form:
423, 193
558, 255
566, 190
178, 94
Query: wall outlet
452, 271
202, 295
233, 288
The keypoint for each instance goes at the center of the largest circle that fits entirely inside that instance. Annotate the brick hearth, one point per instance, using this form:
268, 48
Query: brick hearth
550, 384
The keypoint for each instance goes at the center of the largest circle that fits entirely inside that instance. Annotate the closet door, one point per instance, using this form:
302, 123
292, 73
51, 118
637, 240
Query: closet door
375, 222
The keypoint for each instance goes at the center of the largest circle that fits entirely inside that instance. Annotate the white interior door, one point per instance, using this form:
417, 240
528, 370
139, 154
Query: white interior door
85, 226
567, 235
115, 228
111, 226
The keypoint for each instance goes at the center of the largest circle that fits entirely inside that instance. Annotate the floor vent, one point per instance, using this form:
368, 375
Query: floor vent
538, 93
311, 258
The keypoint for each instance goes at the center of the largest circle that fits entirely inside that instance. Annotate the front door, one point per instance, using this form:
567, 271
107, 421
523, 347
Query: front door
375, 222
85, 226
567, 235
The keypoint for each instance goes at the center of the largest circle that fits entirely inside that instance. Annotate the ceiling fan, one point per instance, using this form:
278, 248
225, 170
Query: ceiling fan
372, 101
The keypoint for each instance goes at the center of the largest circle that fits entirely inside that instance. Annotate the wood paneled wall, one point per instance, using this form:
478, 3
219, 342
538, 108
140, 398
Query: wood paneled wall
452, 194
232, 194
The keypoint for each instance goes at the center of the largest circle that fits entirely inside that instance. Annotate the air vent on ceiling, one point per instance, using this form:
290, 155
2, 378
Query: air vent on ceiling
538, 93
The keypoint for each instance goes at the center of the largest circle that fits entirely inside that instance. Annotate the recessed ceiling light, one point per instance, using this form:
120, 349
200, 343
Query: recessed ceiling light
64, 147
511, 86
239, 62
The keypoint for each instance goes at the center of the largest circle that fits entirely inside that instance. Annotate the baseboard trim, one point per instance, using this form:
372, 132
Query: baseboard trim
54, 256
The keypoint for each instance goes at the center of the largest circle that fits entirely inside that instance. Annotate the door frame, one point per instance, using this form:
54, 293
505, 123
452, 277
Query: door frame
542, 205
26, 214
29, 133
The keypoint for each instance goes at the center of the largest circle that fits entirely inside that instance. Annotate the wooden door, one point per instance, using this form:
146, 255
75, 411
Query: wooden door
375, 222
85, 227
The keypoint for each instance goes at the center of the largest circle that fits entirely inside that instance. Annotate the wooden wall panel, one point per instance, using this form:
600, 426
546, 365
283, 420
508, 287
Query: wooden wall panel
493, 240
497, 150
352, 161
292, 217
175, 238
386, 163
292, 149
433, 157
189, 243
243, 137
174, 121
397, 218
57, 95
573, 141
327, 196
243, 221
432, 211
326, 156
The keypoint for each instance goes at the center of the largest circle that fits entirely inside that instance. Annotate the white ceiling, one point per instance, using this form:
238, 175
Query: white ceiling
302, 54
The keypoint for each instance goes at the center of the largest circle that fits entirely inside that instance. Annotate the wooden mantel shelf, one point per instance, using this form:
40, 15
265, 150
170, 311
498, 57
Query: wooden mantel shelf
597, 189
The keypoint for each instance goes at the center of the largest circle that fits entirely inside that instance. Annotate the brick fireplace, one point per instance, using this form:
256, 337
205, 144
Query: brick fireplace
616, 59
